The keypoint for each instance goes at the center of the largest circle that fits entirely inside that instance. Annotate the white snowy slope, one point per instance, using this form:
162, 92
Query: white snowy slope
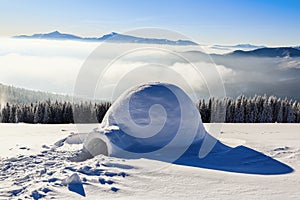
41, 172
158, 148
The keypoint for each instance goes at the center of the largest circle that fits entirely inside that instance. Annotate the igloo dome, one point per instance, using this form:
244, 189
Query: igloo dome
148, 120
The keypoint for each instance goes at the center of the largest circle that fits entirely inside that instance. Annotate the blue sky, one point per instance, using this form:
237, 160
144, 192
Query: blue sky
267, 22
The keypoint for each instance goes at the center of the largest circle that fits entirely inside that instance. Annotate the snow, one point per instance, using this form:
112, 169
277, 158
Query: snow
40, 171
74, 184
151, 144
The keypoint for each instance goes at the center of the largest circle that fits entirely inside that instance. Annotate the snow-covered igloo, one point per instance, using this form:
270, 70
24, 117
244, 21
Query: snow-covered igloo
159, 121
149, 120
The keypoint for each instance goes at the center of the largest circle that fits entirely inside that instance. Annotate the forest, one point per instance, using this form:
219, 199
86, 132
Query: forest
258, 109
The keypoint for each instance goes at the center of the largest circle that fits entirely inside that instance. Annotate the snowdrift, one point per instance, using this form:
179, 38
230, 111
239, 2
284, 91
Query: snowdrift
159, 121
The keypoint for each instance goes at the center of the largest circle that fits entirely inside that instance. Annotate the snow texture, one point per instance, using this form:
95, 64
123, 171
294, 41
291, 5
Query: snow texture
40, 173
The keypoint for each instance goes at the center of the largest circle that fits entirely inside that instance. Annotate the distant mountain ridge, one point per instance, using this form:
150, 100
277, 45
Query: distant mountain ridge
269, 52
112, 37
280, 52
238, 46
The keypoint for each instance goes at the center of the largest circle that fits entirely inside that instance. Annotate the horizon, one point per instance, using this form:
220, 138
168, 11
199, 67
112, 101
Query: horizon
139, 35
256, 22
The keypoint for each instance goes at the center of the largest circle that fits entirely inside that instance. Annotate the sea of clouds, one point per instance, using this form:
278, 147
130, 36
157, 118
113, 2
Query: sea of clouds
54, 66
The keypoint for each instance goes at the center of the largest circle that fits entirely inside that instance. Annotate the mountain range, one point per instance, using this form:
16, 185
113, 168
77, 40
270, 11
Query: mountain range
238, 46
111, 37
269, 52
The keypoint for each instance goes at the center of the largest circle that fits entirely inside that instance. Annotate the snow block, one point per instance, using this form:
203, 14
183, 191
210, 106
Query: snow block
74, 184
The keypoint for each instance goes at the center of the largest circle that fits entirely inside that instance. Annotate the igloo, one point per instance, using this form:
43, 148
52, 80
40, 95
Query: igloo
148, 120
159, 121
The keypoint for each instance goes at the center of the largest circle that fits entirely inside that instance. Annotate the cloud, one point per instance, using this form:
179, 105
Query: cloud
54, 66
289, 63
42, 64
36, 47
50, 65
199, 79
56, 74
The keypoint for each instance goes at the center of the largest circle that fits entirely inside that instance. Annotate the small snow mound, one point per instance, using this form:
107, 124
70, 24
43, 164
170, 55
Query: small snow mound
74, 184
75, 138
73, 179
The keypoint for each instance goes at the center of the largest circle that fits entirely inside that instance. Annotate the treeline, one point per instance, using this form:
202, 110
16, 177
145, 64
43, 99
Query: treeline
15, 95
54, 112
259, 109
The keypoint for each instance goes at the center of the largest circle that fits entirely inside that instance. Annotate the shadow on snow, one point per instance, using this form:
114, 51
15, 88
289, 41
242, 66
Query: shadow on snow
240, 159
